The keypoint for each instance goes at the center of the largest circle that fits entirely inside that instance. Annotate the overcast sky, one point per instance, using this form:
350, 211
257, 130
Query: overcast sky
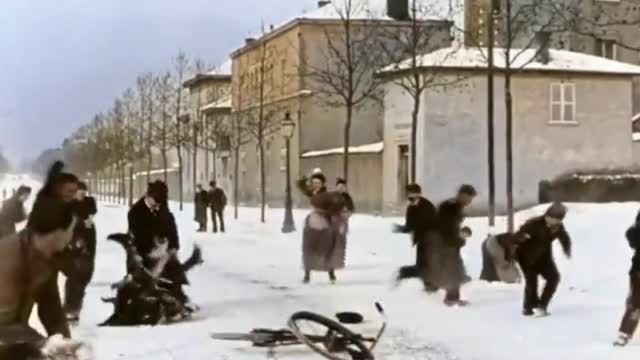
62, 61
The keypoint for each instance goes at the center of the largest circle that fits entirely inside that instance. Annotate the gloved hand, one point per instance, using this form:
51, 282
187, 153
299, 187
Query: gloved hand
88, 223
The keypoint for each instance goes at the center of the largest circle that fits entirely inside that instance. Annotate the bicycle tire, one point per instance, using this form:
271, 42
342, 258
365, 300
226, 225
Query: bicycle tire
354, 339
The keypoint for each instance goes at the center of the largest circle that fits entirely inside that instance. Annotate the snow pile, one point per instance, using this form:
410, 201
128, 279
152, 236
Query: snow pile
362, 149
560, 60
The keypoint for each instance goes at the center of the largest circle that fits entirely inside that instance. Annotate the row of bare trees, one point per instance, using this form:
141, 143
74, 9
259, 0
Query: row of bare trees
147, 118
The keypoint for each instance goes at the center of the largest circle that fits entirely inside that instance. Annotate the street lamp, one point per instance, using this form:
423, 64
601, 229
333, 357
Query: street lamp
287, 128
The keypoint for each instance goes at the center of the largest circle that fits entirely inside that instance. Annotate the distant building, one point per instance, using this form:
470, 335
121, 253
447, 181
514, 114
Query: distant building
570, 114
286, 54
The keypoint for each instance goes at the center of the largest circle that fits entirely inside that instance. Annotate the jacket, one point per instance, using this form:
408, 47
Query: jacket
147, 227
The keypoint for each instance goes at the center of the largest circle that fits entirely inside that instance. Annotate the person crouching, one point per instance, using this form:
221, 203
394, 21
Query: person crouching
498, 258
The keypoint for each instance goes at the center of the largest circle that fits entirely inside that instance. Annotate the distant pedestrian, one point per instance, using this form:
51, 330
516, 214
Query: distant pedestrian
13, 211
419, 219
217, 202
201, 203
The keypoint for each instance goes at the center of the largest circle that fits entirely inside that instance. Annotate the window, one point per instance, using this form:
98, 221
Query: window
563, 104
607, 49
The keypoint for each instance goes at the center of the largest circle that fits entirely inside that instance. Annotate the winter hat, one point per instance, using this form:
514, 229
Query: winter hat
319, 176
341, 181
467, 190
158, 191
556, 211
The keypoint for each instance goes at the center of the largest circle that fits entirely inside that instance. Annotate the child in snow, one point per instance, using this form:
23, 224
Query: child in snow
632, 313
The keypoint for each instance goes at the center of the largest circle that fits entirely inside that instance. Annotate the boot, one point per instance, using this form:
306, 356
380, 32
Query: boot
307, 277
332, 277
622, 340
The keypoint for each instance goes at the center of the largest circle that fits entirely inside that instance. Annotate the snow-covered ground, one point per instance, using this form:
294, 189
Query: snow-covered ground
252, 278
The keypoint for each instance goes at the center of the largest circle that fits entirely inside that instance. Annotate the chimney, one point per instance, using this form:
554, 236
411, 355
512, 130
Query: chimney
323, 3
249, 41
398, 9
542, 41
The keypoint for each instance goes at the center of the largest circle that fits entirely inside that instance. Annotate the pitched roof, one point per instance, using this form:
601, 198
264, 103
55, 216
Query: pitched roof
220, 104
560, 61
222, 72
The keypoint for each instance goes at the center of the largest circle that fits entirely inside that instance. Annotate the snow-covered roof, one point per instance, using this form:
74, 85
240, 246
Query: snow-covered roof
560, 60
362, 149
222, 69
375, 9
635, 136
635, 117
224, 103
155, 172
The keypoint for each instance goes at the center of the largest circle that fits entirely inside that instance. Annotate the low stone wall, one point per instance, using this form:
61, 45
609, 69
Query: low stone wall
612, 187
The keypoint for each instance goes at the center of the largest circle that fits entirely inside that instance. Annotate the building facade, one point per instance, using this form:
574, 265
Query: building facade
561, 124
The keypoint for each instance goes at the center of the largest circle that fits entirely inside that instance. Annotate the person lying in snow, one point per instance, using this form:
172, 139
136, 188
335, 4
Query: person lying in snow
498, 258
143, 298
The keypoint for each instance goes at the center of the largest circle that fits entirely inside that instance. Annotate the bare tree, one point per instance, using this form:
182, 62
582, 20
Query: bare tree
164, 93
404, 45
345, 76
523, 35
181, 65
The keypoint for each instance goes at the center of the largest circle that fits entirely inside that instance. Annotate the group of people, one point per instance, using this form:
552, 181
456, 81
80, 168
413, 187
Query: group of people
439, 235
216, 200
60, 237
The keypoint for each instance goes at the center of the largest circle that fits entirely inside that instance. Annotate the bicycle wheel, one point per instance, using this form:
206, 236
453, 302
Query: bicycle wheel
337, 343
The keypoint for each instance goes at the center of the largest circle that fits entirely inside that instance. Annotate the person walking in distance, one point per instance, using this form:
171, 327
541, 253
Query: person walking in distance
631, 316
13, 211
419, 217
535, 256
201, 203
217, 202
81, 253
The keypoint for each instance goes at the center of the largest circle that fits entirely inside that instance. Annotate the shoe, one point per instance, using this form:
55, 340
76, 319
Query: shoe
332, 277
541, 312
527, 312
452, 303
306, 279
622, 340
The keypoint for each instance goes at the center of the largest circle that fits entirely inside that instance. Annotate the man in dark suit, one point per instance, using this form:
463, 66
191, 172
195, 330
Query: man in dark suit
156, 237
217, 202
419, 218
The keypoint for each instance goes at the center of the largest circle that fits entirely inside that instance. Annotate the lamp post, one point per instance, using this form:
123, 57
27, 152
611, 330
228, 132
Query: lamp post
288, 127
130, 167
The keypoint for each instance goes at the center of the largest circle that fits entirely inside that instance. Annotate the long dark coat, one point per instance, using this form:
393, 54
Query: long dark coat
444, 266
217, 199
201, 203
12, 213
150, 230
418, 220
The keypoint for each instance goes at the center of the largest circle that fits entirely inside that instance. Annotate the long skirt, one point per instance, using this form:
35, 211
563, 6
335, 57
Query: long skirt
444, 267
495, 266
323, 242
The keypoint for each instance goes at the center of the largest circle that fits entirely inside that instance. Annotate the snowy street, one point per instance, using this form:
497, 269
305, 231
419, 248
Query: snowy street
252, 278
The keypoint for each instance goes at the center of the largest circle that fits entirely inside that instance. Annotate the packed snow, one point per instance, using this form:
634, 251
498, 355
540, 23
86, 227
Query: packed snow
252, 278
361, 149
560, 60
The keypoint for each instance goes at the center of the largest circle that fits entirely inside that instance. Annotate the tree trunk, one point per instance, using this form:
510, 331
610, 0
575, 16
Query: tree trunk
180, 178
236, 182
195, 158
263, 184
131, 186
490, 122
509, 127
214, 153
347, 141
414, 135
